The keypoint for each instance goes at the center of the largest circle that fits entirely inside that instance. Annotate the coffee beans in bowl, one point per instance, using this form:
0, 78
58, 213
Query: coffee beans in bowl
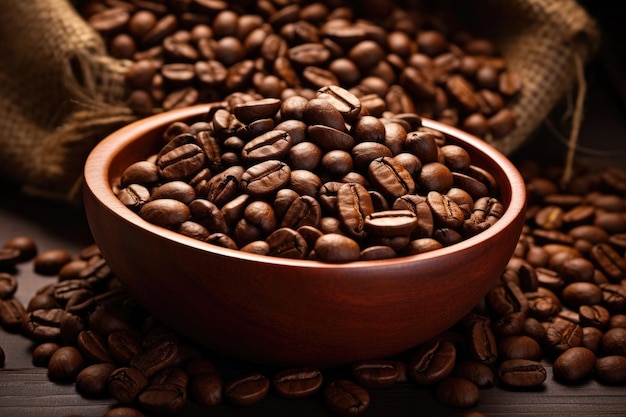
303, 231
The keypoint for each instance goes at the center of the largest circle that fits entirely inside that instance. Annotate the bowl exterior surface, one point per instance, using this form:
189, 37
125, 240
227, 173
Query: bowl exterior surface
288, 312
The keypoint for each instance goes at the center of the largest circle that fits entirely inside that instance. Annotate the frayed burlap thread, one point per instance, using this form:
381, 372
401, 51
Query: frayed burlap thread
60, 93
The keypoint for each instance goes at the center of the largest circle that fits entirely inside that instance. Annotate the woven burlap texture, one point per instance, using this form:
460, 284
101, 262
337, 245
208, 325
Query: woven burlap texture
542, 41
60, 93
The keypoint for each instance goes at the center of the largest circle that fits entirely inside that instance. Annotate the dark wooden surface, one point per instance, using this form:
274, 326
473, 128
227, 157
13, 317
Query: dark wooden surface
26, 391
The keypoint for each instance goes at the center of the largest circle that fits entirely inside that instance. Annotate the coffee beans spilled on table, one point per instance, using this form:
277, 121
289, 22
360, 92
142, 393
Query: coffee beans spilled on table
560, 304
312, 179
404, 58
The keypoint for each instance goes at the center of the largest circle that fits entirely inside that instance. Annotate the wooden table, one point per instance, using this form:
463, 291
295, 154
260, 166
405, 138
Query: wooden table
26, 390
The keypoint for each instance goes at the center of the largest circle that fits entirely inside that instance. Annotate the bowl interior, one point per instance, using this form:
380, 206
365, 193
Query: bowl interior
139, 140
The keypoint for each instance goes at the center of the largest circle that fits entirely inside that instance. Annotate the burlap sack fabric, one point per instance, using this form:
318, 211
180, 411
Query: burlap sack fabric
60, 93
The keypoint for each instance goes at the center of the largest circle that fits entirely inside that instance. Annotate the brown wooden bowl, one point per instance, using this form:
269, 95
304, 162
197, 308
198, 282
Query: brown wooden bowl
293, 312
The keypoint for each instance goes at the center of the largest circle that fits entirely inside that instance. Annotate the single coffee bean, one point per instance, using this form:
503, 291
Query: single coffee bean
65, 364
432, 362
610, 369
123, 345
574, 365
478, 373
126, 383
297, 382
165, 212
51, 261
457, 392
521, 373
519, 347
43, 352
94, 379
336, 248
345, 398
376, 373
247, 390
391, 178
12, 314
25, 245
93, 347
206, 388
481, 343
159, 356
562, 335
166, 392
8, 285
614, 341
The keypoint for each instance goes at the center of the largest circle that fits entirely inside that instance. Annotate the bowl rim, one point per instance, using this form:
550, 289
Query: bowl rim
96, 175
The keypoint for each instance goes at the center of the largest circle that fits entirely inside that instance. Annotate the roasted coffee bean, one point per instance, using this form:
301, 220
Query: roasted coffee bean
446, 212
577, 294
610, 369
288, 243
297, 382
377, 373
93, 347
159, 356
574, 365
336, 248
609, 261
592, 339
521, 373
265, 177
519, 347
303, 211
354, 204
391, 223
126, 383
166, 392
25, 245
481, 343
345, 398
562, 335
478, 373
392, 179
457, 392
594, 315
614, 341
12, 314
65, 364
206, 387
123, 345
247, 390
274, 144
432, 362
71, 326
8, 285
51, 261
165, 212
94, 379
43, 352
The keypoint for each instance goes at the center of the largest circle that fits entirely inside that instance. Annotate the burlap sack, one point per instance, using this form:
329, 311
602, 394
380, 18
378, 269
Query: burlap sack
60, 93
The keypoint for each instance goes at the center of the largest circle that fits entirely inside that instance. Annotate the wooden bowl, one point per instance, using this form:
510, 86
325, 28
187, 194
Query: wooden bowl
293, 312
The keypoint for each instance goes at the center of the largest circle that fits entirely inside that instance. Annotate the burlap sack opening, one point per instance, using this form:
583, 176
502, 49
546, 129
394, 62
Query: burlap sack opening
60, 93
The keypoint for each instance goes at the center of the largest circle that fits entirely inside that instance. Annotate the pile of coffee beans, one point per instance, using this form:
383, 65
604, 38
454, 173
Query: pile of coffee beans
312, 179
405, 60
561, 301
